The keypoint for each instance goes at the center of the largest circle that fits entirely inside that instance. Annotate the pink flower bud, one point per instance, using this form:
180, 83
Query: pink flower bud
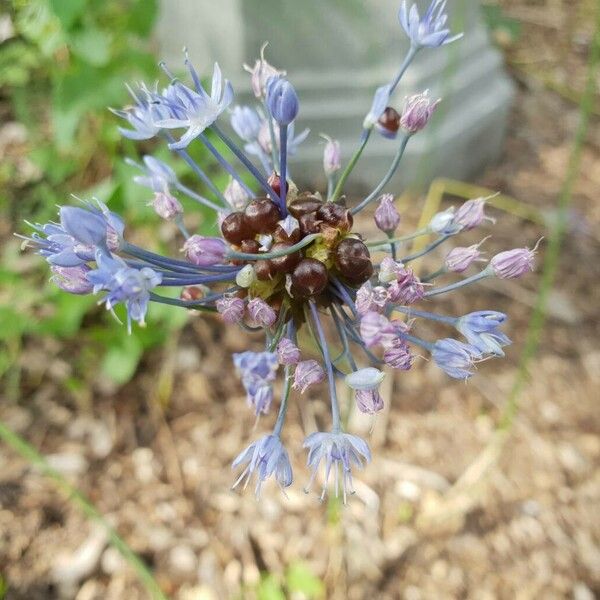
261, 313
72, 279
231, 308
307, 373
369, 298
417, 112
471, 214
236, 195
205, 251
513, 263
332, 157
368, 401
287, 352
389, 270
458, 260
260, 73
376, 329
397, 355
407, 289
387, 218
166, 206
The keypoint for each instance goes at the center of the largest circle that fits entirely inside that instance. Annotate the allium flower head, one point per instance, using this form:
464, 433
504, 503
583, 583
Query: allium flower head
417, 112
337, 451
429, 31
264, 458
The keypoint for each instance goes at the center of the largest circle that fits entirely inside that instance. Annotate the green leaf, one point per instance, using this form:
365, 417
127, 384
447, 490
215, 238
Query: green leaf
121, 361
91, 45
67, 11
299, 578
142, 17
269, 589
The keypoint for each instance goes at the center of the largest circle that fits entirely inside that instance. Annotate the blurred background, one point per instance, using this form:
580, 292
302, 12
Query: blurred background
485, 490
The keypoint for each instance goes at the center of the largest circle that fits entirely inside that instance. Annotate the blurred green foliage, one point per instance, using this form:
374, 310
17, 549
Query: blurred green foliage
297, 581
63, 63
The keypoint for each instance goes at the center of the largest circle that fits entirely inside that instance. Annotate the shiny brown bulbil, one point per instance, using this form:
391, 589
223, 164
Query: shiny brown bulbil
305, 273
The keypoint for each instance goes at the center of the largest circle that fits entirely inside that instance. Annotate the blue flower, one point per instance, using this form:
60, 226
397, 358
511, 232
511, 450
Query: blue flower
431, 30
158, 176
381, 99
336, 450
265, 457
143, 115
246, 122
257, 371
195, 110
481, 330
455, 358
282, 100
124, 284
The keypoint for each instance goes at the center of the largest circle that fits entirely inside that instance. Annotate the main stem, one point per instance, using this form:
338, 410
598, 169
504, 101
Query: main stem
346, 172
283, 132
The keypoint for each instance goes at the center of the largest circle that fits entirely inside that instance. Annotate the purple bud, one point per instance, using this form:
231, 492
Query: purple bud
282, 100
376, 329
387, 218
471, 214
368, 401
332, 159
389, 270
166, 206
287, 352
261, 313
397, 355
261, 72
231, 308
369, 298
458, 260
86, 226
455, 358
246, 122
205, 251
72, 279
407, 289
417, 112
513, 263
236, 195
307, 373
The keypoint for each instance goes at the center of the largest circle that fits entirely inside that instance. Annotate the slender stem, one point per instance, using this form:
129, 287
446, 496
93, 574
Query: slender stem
434, 275
197, 197
246, 162
176, 279
309, 239
287, 386
487, 272
407, 310
30, 454
331, 179
274, 156
197, 170
226, 165
181, 225
343, 338
283, 132
404, 238
195, 304
418, 341
373, 195
366, 134
393, 247
426, 250
341, 288
335, 409
405, 64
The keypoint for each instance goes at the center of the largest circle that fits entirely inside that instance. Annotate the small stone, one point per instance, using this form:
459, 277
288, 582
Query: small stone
182, 559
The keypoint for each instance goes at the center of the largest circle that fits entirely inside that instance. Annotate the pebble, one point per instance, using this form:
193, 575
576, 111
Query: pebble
582, 592
183, 560
68, 463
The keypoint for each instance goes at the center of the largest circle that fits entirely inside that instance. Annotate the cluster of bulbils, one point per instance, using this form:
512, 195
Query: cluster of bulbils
286, 258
